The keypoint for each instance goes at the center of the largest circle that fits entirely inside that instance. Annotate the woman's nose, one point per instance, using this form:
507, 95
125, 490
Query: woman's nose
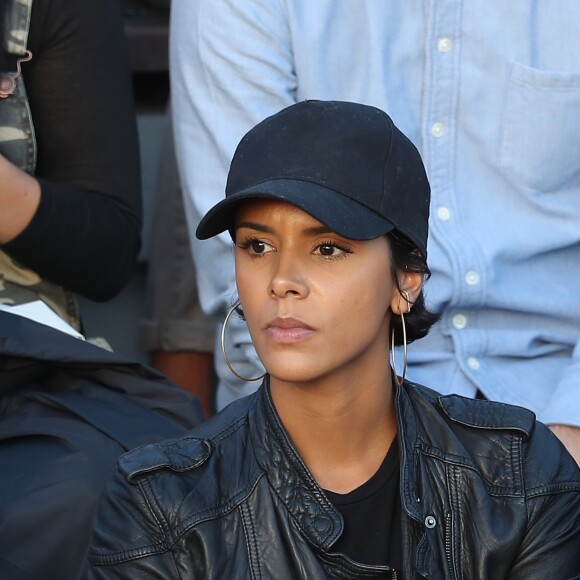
288, 279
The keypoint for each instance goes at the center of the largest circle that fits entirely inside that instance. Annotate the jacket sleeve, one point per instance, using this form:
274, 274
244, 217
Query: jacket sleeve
128, 539
551, 545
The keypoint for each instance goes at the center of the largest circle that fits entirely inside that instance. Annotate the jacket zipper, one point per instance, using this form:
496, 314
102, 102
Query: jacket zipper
448, 544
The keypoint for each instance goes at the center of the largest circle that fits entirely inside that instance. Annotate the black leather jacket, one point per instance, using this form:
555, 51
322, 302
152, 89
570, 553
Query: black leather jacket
487, 493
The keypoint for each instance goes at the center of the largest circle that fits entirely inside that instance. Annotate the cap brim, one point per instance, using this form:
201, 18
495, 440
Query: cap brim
339, 213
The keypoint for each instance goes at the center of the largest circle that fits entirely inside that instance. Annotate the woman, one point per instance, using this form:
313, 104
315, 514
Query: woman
336, 468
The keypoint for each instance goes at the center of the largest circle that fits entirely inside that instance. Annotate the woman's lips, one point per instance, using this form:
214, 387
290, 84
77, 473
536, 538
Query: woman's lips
288, 330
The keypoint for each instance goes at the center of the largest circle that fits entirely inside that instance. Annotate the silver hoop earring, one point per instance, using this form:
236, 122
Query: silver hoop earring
223, 345
404, 329
407, 300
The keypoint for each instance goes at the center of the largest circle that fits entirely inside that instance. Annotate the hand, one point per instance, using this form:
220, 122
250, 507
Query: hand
570, 437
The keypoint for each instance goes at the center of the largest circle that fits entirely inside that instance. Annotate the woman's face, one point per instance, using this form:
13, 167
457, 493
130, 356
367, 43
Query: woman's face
316, 304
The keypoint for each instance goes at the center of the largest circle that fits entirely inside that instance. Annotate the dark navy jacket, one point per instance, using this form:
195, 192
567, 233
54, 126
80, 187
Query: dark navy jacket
68, 409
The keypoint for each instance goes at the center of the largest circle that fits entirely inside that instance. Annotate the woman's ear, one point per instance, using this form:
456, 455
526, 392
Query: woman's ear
410, 285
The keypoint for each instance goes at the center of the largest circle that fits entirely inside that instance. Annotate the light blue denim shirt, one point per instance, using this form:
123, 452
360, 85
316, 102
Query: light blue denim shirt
490, 94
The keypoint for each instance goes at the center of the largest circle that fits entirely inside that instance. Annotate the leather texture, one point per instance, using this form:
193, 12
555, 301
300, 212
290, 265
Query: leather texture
487, 493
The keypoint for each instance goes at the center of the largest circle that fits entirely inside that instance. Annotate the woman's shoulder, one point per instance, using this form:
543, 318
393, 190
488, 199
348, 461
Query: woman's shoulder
494, 438
160, 491
215, 440
197, 472
478, 413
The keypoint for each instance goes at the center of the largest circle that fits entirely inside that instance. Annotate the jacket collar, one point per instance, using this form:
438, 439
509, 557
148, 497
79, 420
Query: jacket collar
289, 477
294, 484
407, 431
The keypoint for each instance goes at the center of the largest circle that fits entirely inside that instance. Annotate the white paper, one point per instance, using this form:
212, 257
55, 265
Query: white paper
40, 312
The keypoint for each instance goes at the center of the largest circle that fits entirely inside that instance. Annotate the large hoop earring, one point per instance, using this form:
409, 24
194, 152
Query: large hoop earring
404, 329
223, 345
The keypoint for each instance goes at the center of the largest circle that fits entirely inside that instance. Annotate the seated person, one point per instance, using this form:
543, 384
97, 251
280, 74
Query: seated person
337, 467
69, 155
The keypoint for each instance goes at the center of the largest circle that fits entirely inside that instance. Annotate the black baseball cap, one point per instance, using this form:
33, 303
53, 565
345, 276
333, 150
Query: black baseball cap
345, 164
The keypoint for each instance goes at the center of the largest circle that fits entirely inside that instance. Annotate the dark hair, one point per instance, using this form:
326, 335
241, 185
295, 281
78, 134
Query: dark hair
406, 258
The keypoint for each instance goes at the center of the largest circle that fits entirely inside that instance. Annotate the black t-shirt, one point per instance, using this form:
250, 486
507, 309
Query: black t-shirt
372, 516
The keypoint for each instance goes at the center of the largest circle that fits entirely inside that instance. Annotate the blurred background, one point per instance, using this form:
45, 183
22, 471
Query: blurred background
147, 30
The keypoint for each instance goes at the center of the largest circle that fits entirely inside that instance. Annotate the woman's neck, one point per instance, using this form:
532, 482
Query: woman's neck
342, 428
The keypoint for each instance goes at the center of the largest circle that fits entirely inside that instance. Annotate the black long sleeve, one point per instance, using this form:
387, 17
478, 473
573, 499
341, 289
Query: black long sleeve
85, 235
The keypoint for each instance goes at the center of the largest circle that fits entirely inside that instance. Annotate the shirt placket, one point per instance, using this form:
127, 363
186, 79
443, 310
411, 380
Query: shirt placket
450, 237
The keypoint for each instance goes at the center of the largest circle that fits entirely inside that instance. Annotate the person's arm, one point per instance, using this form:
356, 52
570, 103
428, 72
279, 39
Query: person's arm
84, 233
231, 66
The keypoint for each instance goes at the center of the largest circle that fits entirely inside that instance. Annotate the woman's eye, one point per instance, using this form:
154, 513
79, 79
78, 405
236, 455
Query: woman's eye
329, 250
259, 247
255, 247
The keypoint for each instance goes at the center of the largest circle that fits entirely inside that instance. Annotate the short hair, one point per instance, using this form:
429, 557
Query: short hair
406, 258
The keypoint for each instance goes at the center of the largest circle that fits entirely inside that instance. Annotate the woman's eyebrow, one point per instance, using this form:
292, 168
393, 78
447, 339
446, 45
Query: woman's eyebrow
255, 226
317, 230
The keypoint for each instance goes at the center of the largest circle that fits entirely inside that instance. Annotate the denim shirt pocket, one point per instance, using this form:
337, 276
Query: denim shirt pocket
540, 138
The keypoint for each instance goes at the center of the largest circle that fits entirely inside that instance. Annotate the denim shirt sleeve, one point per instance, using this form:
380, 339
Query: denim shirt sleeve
231, 67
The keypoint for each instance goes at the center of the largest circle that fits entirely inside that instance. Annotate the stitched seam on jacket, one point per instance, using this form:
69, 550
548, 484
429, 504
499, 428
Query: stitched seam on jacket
347, 566
159, 547
553, 488
251, 540
497, 490
430, 451
455, 505
125, 555
190, 522
228, 430
142, 551
154, 507
517, 463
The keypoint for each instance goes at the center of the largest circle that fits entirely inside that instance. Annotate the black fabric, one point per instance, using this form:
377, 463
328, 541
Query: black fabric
68, 410
372, 516
85, 235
